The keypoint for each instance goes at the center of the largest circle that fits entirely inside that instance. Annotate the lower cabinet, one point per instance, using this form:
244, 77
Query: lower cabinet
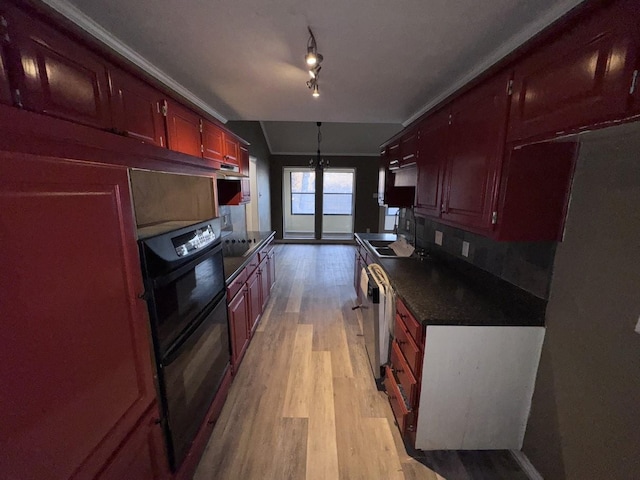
75, 348
5, 91
462, 387
247, 296
142, 455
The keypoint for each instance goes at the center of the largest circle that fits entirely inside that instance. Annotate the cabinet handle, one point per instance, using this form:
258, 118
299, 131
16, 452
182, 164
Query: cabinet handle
402, 316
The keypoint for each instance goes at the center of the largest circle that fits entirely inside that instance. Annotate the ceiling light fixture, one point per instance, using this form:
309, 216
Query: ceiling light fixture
318, 163
313, 60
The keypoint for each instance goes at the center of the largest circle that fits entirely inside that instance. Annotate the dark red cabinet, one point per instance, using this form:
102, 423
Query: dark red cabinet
394, 196
183, 129
476, 142
265, 288
254, 298
408, 148
239, 326
212, 143
58, 76
581, 79
272, 268
136, 108
142, 455
432, 149
76, 359
5, 90
231, 150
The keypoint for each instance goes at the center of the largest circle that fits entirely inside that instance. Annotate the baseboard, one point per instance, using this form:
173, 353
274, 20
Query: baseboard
526, 465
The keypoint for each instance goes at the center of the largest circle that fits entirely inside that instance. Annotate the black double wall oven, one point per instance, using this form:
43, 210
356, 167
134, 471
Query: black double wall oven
186, 295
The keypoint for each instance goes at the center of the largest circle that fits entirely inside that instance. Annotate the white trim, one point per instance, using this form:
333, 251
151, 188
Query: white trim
506, 48
266, 137
97, 31
526, 465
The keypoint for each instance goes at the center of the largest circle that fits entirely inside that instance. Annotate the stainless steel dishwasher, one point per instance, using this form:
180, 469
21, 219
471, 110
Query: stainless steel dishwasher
377, 313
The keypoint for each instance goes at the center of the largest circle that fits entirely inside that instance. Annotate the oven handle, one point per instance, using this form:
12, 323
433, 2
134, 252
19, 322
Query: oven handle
191, 334
171, 276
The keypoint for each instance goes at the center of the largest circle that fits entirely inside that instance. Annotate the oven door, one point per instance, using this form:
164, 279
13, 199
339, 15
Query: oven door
191, 374
179, 297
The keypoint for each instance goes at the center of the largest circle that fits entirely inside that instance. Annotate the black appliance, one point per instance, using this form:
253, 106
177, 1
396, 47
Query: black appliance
185, 291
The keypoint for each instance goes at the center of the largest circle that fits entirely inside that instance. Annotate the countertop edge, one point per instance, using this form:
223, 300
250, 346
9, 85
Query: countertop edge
230, 278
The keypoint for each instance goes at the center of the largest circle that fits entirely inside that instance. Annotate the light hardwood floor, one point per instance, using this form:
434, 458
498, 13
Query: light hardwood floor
304, 404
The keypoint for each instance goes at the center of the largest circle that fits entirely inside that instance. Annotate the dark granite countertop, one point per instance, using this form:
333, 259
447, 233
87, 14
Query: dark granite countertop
447, 291
238, 248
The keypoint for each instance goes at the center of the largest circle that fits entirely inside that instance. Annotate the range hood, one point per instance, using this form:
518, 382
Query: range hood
229, 172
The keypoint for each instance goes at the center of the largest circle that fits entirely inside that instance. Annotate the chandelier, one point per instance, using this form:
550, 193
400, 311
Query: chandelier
318, 163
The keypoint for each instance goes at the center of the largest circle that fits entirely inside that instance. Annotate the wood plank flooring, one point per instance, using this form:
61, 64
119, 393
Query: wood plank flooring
304, 404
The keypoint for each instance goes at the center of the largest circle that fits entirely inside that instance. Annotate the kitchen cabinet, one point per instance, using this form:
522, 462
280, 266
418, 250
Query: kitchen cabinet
272, 268
254, 297
142, 455
432, 149
5, 90
265, 290
474, 155
239, 325
136, 108
393, 196
231, 150
461, 387
213, 144
408, 148
580, 79
76, 353
183, 129
57, 76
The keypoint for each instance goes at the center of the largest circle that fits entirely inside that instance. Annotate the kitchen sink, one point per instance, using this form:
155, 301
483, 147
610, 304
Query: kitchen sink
380, 243
385, 252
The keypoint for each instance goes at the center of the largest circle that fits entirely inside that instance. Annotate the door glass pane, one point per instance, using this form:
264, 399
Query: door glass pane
299, 202
338, 203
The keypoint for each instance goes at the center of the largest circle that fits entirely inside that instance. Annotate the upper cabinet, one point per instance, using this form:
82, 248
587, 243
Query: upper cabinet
219, 147
408, 147
582, 78
393, 196
5, 91
183, 129
432, 150
476, 140
56, 75
136, 108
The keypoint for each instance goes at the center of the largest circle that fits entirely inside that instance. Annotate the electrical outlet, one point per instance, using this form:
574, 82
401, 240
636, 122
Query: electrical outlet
407, 225
438, 237
638, 326
465, 249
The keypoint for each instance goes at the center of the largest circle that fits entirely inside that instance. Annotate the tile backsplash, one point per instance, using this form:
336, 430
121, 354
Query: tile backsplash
528, 265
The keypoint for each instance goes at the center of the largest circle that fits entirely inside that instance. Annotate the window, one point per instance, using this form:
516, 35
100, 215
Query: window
390, 218
338, 193
303, 193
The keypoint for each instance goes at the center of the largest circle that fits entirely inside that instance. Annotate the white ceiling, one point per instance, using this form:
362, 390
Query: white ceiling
385, 61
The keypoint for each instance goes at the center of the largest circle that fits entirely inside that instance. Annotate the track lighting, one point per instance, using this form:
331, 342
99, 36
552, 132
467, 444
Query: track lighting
313, 60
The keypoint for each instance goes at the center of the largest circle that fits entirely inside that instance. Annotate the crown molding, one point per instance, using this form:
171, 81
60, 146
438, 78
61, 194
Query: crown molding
87, 24
509, 46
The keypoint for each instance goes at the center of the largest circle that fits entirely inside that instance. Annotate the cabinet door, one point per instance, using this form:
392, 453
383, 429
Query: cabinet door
475, 150
408, 147
5, 91
58, 76
231, 150
580, 79
394, 196
137, 108
432, 157
272, 268
212, 143
183, 130
239, 322
255, 302
143, 455
244, 160
76, 369
264, 284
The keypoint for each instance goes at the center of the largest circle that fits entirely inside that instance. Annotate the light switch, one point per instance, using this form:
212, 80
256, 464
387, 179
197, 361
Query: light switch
438, 237
465, 249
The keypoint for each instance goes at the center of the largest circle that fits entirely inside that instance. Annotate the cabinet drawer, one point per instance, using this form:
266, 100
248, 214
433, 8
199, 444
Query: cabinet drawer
408, 346
413, 327
264, 253
403, 373
398, 405
253, 264
237, 283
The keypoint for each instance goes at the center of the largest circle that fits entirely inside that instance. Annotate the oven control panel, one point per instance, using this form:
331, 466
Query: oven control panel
194, 240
